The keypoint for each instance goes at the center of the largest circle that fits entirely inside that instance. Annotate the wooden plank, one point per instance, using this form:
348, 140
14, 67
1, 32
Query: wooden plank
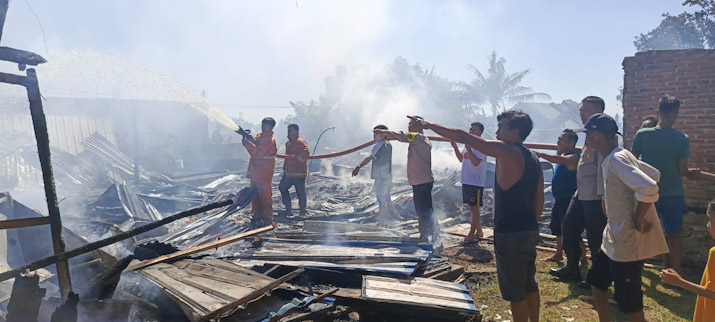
185, 293
233, 278
229, 293
418, 292
24, 222
415, 286
214, 267
423, 281
418, 300
255, 295
201, 248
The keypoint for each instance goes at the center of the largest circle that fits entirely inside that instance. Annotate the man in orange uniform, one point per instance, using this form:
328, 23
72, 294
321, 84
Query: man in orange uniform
260, 170
295, 170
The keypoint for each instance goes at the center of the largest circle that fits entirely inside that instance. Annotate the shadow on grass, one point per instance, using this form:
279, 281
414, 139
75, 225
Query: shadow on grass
677, 301
681, 304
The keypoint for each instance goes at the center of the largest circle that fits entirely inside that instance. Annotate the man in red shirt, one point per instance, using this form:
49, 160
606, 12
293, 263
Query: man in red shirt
295, 169
260, 170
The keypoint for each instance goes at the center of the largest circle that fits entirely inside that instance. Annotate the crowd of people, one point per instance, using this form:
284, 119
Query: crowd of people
630, 203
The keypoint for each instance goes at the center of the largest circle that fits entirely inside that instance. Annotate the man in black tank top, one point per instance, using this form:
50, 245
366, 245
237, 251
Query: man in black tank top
518, 204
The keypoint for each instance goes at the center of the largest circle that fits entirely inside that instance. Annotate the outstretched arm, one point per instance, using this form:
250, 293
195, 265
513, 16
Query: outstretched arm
362, 164
670, 276
569, 161
459, 155
497, 149
391, 135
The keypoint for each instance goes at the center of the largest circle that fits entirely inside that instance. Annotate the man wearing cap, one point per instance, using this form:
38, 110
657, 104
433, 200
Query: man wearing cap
419, 176
632, 233
260, 170
584, 211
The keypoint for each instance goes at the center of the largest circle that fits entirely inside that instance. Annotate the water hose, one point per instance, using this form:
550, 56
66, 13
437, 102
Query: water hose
540, 146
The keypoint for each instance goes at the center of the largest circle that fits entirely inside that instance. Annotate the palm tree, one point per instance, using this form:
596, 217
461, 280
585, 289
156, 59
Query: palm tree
498, 88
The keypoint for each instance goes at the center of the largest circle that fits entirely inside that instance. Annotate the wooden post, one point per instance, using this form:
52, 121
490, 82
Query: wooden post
64, 256
43, 149
3, 12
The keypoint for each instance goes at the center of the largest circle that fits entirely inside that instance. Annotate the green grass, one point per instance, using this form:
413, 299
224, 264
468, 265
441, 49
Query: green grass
559, 300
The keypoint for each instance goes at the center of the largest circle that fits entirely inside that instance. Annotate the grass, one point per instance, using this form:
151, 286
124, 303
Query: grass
559, 300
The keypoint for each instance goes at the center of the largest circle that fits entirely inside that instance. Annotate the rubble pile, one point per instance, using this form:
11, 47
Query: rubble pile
339, 261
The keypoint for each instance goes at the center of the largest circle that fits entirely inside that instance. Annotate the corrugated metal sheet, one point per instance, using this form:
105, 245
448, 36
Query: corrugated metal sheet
66, 132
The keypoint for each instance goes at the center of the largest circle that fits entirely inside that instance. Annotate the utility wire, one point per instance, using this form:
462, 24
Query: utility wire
44, 39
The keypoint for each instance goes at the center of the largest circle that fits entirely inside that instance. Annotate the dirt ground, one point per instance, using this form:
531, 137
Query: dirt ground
560, 300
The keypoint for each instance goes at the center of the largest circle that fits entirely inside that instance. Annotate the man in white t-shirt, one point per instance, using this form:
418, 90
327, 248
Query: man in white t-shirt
474, 173
633, 232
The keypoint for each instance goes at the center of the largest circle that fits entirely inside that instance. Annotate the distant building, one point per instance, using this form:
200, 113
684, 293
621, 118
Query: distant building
168, 133
550, 119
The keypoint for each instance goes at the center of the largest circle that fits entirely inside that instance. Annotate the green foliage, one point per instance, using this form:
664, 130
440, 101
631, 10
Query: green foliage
674, 32
687, 30
498, 88
703, 19
356, 99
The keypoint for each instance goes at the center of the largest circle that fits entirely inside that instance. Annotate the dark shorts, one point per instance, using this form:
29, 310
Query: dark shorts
472, 195
382, 189
558, 212
516, 264
671, 211
626, 279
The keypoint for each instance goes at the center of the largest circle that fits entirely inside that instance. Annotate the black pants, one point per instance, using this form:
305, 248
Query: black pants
422, 197
581, 215
299, 184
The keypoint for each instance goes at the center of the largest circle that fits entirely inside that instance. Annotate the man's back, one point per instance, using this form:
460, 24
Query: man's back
382, 162
663, 149
563, 181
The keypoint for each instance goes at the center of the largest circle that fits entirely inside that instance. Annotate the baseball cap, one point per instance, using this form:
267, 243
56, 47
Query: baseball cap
600, 122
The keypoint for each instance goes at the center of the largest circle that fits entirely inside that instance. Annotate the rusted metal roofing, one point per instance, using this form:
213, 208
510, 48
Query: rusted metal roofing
66, 132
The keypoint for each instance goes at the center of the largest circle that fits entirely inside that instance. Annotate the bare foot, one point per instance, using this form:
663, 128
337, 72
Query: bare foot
480, 233
553, 258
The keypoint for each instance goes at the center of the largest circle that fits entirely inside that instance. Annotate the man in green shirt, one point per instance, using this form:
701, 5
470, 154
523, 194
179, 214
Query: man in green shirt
668, 150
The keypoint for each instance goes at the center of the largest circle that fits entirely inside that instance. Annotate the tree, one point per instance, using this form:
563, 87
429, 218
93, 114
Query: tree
703, 19
355, 99
674, 32
498, 88
686, 30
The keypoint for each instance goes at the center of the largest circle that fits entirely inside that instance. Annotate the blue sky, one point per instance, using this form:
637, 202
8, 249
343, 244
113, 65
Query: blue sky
266, 53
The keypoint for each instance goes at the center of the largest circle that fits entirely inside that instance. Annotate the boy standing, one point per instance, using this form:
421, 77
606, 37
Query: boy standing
668, 150
474, 173
381, 172
518, 203
632, 232
419, 175
260, 170
295, 170
705, 305
563, 184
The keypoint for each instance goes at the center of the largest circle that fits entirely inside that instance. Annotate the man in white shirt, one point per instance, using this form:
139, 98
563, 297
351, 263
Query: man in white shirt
474, 173
633, 232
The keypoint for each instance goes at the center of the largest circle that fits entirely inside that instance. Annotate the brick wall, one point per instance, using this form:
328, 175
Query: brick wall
690, 76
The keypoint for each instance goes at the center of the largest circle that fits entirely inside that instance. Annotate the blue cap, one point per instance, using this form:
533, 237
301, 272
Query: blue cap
600, 122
